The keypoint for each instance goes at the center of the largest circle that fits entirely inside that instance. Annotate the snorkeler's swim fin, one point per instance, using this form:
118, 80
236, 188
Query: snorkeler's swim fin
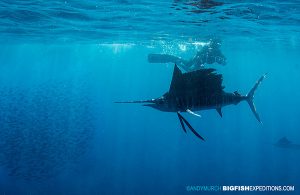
165, 58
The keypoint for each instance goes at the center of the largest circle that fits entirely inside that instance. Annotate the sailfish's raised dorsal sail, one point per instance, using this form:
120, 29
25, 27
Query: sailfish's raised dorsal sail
177, 83
204, 82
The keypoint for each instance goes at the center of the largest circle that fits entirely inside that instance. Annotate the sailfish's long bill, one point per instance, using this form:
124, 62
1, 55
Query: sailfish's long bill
198, 90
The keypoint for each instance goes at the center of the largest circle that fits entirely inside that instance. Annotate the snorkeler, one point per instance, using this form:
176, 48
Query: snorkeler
209, 54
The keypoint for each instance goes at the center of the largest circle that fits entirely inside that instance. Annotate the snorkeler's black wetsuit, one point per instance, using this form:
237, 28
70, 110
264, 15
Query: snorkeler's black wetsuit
208, 55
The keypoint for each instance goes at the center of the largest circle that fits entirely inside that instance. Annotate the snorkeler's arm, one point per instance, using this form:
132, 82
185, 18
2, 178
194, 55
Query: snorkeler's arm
196, 61
165, 58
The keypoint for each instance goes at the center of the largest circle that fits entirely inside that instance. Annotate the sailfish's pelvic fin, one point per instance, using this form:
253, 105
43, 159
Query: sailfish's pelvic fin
183, 120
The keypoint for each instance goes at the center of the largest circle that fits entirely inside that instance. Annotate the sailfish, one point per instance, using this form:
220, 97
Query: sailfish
198, 90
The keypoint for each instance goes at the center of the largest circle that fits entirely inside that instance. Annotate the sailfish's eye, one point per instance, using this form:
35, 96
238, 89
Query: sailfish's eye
160, 101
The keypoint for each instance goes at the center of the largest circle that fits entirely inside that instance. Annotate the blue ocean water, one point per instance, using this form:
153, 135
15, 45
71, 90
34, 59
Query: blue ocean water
65, 63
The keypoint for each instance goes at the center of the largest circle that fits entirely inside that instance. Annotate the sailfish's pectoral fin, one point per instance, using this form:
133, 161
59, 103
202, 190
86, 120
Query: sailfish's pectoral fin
193, 113
219, 110
183, 120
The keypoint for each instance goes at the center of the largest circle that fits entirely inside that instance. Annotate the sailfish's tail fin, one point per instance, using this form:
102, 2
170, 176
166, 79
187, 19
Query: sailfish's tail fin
250, 97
